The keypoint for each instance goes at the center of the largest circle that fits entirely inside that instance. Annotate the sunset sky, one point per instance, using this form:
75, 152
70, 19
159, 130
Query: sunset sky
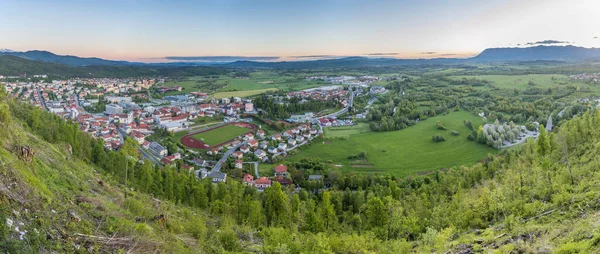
152, 30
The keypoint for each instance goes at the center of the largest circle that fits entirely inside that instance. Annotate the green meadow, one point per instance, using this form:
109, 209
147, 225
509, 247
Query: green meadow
258, 82
402, 152
521, 82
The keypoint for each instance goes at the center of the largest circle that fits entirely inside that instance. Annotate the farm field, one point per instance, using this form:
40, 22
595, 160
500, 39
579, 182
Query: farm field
281, 83
258, 82
521, 81
220, 135
242, 94
193, 84
403, 152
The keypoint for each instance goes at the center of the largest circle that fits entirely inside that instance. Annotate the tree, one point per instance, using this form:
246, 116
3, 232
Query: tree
277, 206
327, 211
146, 176
376, 213
543, 142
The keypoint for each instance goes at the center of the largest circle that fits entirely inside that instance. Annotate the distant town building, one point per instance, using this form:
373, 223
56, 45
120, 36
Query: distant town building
114, 109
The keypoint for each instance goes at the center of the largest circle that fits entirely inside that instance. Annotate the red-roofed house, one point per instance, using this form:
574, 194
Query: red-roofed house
262, 183
283, 181
248, 179
237, 154
253, 143
187, 167
281, 170
138, 136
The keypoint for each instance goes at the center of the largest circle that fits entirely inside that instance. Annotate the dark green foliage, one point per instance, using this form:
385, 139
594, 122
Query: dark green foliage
14, 66
438, 138
283, 110
439, 126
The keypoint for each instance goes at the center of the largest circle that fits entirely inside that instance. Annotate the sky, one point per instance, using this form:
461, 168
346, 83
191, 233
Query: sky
184, 30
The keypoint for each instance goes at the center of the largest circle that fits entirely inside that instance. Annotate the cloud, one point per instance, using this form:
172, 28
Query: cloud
428, 53
382, 54
316, 56
449, 55
221, 58
547, 42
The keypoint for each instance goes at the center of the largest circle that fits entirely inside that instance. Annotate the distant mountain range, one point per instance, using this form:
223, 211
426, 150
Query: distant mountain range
45, 56
549, 53
11, 65
538, 53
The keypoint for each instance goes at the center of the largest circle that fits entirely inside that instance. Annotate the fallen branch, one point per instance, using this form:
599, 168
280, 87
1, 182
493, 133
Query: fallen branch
540, 215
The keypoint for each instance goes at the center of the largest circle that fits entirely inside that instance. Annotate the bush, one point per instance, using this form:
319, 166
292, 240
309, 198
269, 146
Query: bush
438, 138
471, 137
455, 133
439, 126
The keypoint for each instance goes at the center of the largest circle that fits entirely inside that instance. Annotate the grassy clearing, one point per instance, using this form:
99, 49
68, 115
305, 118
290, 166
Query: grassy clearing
242, 94
220, 135
403, 152
346, 131
521, 81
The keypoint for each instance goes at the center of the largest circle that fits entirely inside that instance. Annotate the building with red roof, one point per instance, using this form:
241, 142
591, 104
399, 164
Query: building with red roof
281, 170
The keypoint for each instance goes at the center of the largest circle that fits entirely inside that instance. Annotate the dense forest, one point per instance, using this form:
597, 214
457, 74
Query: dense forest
16, 66
522, 200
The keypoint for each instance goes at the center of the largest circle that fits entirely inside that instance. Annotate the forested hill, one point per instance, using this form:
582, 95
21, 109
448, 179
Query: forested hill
45, 56
17, 66
60, 191
47, 61
545, 53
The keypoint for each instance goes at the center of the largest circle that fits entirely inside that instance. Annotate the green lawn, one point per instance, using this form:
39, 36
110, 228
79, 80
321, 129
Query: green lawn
346, 131
403, 152
220, 135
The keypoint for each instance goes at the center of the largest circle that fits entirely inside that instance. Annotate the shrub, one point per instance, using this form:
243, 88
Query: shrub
438, 138
439, 126
454, 133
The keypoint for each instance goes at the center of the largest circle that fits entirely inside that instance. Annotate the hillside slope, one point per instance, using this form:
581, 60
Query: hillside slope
543, 198
61, 204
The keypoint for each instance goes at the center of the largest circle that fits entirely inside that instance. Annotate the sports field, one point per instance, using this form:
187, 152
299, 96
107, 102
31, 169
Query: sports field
402, 152
346, 131
220, 135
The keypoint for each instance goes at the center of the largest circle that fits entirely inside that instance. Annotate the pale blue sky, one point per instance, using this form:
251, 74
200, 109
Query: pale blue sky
149, 30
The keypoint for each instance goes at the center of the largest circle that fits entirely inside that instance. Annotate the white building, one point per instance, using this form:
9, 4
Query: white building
249, 107
114, 109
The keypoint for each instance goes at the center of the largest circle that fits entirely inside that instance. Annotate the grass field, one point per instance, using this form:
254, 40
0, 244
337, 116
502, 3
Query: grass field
258, 81
242, 94
220, 135
346, 131
521, 81
403, 152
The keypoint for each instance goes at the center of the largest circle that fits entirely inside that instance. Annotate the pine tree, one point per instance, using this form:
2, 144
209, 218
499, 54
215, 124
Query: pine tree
543, 142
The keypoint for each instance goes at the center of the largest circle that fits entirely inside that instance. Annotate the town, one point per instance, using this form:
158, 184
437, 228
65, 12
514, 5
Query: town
141, 109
